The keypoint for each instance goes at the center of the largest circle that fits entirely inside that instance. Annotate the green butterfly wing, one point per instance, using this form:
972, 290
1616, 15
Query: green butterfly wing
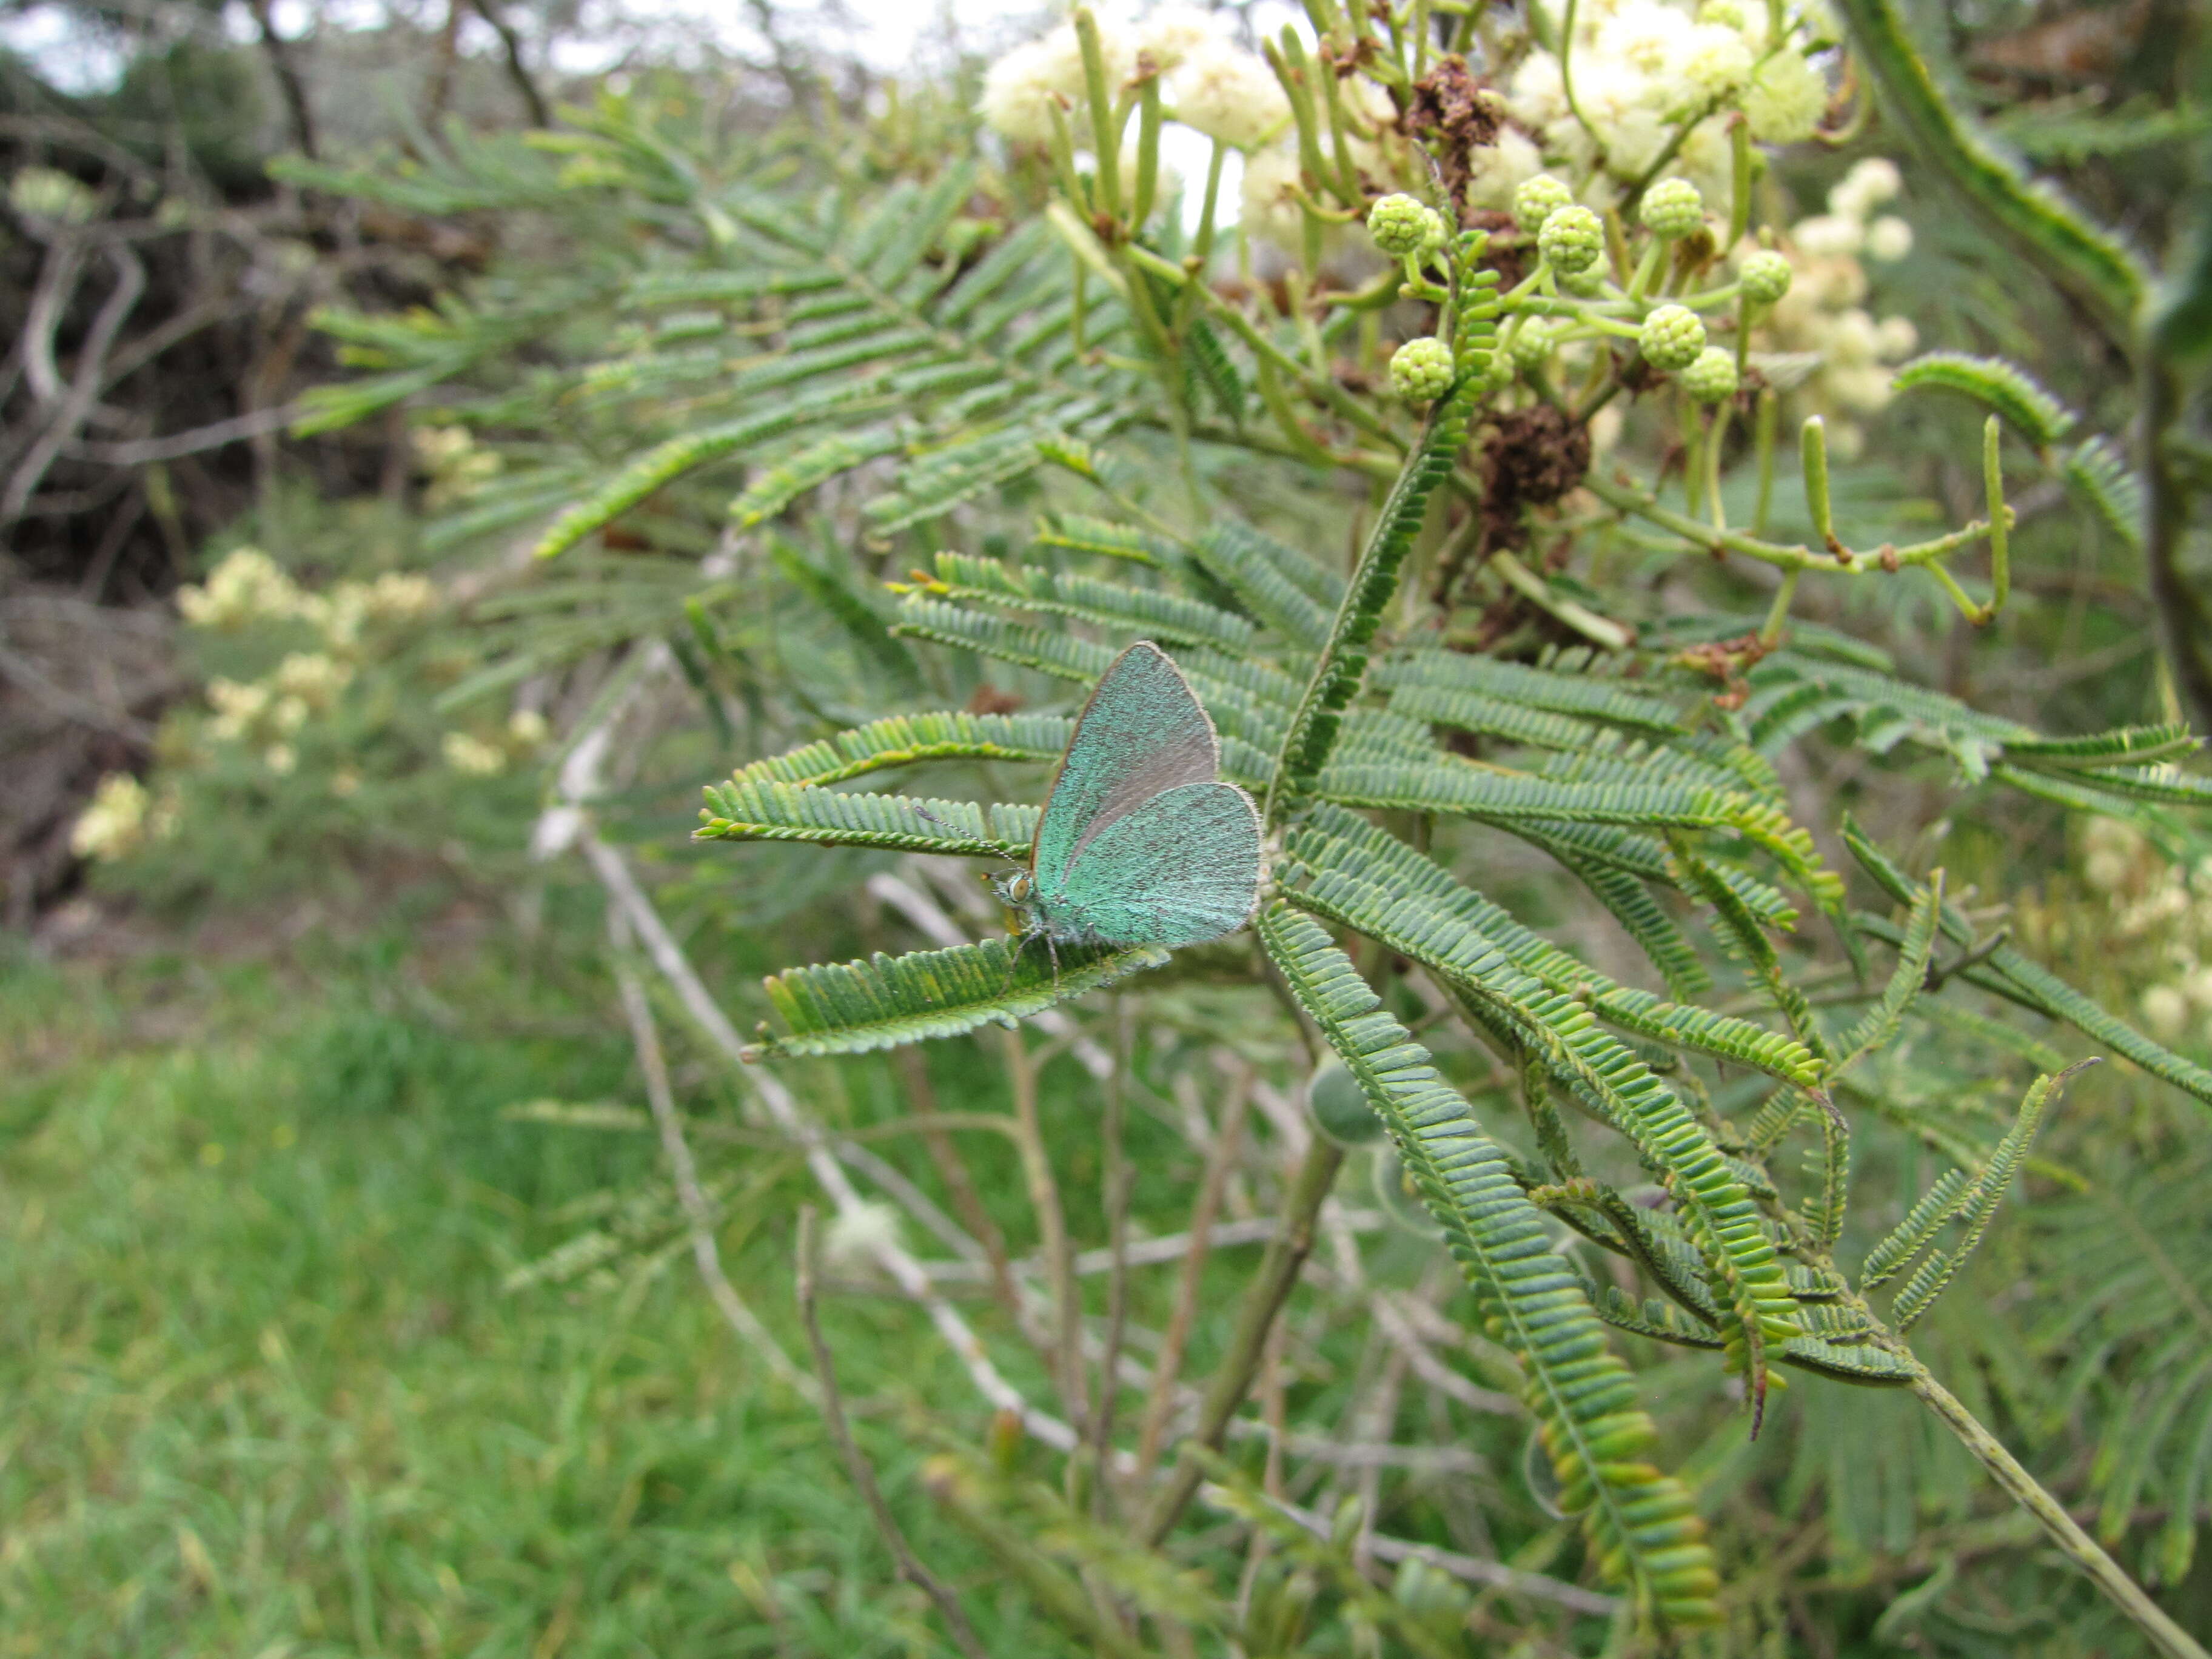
1142, 733
1180, 869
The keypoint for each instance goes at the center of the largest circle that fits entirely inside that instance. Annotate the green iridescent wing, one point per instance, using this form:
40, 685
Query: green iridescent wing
1180, 869
1142, 733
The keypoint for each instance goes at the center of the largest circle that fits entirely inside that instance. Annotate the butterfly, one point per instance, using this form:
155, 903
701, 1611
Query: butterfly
1140, 842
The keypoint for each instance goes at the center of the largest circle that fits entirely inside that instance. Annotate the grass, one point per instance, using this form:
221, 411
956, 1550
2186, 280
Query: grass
268, 1397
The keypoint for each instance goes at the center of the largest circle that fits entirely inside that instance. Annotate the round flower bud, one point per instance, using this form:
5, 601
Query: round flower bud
1572, 240
1533, 344
1538, 199
1586, 284
1711, 377
1421, 370
1403, 226
1765, 275
1673, 208
1671, 338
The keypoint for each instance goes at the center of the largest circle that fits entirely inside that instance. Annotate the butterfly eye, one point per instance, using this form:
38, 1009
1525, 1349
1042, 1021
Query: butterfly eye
1017, 886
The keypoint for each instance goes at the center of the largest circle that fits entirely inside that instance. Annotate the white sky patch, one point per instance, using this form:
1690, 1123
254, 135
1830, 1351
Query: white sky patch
892, 38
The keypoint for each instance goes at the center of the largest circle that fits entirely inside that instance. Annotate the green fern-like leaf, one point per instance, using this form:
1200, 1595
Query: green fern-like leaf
1977, 1206
2010, 975
2026, 407
1153, 614
1880, 1022
1910, 1237
2097, 474
1584, 695
783, 483
904, 740
1285, 590
1078, 534
830, 817
1493, 796
1640, 1522
1342, 662
852, 1007
1619, 1088
1332, 842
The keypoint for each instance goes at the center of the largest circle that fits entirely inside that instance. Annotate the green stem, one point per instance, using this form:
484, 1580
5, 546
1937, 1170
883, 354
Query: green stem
1763, 424
1263, 1299
2168, 1638
2000, 521
1105, 130
1770, 636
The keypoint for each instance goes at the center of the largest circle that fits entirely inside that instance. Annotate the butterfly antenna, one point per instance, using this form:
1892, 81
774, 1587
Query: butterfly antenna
997, 852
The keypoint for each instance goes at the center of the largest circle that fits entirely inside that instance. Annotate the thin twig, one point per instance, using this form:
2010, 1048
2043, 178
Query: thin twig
1052, 1229
857, 1465
84, 387
1475, 1570
1120, 1186
684, 1172
1221, 1157
1263, 1299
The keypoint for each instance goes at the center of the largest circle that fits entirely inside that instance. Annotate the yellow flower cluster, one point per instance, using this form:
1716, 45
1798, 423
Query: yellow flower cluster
480, 757
457, 467
247, 588
122, 817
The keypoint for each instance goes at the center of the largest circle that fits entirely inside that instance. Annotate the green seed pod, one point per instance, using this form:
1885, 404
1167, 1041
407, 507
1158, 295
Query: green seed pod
1339, 1108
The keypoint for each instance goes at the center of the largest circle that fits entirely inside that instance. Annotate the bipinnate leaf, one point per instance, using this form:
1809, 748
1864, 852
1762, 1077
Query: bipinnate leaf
852, 1007
2005, 972
766, 811
1977, 1206
1640, 1522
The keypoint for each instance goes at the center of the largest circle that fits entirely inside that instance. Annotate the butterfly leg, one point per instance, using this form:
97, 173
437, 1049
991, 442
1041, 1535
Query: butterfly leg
1021, 943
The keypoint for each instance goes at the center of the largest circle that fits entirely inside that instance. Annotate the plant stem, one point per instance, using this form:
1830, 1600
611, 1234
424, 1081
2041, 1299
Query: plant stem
1278, 1271
2077, 1544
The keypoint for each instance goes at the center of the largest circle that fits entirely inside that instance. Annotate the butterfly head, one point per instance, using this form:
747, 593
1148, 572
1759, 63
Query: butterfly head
1016, 889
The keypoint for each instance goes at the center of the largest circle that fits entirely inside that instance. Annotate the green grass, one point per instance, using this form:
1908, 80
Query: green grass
266, 1395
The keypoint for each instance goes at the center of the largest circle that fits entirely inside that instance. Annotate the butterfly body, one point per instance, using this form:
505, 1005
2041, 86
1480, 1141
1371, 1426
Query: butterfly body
1139, 842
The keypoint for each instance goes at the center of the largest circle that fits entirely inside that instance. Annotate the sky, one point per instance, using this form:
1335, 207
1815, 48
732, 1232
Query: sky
890, 36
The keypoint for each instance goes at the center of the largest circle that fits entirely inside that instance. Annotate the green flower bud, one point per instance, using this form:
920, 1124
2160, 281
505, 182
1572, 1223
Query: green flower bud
1538, 199
1673, 208
1572, 240
1533, 343
1765, 275
1404, 228
1421, 370
1711, 377
1671, 338
1586, 284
